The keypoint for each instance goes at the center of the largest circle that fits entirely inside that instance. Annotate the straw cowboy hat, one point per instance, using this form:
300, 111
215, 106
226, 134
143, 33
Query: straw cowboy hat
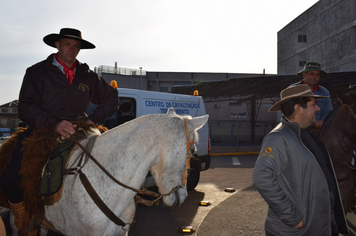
297, 91
70, 34
312, 66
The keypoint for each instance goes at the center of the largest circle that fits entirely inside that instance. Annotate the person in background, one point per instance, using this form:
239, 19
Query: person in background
311, 75
54, 93
294, 173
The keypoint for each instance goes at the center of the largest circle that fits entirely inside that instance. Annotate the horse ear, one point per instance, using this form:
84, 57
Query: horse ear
198, 121
171, 111
344, 98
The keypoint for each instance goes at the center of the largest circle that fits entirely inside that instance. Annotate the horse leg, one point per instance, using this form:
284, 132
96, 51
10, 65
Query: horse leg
127, 216
130, 211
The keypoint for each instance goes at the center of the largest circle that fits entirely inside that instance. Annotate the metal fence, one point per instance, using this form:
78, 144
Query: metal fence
120, 70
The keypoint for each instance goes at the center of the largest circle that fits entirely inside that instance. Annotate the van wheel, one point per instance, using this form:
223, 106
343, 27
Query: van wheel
193, 176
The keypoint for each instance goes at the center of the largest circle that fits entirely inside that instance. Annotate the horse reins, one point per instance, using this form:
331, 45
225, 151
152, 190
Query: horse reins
102, 206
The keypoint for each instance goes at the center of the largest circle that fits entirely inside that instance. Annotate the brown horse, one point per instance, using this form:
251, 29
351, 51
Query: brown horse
339, 136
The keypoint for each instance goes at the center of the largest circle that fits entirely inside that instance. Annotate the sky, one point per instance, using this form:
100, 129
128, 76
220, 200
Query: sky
229, 36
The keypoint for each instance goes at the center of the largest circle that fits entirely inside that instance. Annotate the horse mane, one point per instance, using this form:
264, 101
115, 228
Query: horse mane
338, 135
187, 117
334, 111
171, 112
330, 116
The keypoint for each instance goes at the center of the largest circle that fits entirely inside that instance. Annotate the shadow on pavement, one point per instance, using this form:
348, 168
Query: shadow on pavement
244, 213
161, 220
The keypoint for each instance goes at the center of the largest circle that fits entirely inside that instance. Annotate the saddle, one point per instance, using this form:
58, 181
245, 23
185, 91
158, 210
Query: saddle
43, 147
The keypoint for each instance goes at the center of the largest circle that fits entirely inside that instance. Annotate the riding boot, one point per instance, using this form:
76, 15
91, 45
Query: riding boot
22, 219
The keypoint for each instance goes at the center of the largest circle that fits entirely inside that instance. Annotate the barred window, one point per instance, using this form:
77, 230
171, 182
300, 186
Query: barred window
302, 38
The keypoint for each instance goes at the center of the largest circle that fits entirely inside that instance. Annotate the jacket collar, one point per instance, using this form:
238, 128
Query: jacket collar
294, 126
80, 67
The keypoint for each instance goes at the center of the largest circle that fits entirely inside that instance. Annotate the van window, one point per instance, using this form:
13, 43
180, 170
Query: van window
127, 110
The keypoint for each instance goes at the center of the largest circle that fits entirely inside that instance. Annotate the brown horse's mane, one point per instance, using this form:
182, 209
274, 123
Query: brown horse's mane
338, 135
335, 110
330, 116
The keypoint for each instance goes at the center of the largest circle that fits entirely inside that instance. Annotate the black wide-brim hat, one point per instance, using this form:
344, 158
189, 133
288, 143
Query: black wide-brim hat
70, 34
309, 66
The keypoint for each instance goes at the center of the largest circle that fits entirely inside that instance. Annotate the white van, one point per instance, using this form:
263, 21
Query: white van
135, 103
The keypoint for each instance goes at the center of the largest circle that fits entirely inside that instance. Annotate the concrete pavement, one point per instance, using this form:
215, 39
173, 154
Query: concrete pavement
245, 211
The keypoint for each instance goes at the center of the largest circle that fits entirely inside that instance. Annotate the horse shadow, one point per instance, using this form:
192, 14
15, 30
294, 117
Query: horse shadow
164, 220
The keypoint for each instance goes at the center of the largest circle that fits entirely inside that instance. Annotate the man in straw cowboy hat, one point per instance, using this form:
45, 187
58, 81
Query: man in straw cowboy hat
311, 75
55, 92
294, 174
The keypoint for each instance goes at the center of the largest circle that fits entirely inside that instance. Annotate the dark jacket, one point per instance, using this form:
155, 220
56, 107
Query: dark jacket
290, 179
46, 97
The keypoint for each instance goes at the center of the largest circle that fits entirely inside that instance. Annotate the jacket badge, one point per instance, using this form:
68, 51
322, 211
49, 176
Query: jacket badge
83, 87
267, 153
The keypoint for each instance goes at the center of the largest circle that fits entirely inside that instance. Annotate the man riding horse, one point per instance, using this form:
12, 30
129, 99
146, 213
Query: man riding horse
54, 93
311, 75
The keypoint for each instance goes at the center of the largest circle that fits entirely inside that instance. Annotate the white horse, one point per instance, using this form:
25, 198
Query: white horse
153, 142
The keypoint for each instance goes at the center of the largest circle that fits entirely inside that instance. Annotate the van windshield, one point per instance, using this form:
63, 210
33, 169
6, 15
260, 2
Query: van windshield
127, 110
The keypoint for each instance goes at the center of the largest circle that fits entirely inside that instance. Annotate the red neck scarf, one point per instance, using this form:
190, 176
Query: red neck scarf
69, 72
313, 90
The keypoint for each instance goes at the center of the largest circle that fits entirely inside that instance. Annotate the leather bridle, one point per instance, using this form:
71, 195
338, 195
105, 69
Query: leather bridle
103, 207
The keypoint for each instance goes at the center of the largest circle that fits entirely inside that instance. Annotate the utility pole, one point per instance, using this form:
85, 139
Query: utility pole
141, 75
